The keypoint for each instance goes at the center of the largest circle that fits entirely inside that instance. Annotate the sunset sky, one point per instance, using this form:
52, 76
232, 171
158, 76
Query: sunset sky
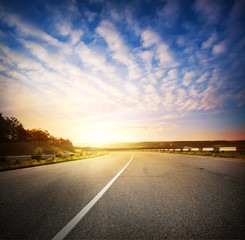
144, 70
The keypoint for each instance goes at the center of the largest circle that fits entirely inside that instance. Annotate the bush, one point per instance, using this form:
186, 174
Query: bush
38, 151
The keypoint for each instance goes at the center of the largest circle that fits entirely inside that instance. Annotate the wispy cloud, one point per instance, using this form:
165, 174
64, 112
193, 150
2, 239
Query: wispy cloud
209, 10
160, 48
210, 41
121, 66
149, 38
120, 51
26, 29
188, 78
203, 77
150, 127
219, 48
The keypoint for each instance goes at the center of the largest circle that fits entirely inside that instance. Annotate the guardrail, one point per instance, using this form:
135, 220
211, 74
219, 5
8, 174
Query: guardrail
38, 157
208, 149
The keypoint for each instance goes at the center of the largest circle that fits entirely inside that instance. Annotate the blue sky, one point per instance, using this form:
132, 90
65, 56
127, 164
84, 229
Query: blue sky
141, 70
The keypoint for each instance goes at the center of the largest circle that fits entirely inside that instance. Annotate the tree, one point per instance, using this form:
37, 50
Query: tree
38, 135
12, 130
4, 129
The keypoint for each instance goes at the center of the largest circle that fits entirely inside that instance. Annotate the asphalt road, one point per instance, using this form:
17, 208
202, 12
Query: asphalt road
158, 196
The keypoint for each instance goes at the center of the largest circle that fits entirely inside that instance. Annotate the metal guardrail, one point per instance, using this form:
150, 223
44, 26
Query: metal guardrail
208, 149
37, 157
228, 149
11, 158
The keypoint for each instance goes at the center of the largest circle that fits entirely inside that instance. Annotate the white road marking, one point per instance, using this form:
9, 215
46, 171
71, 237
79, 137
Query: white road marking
62, 234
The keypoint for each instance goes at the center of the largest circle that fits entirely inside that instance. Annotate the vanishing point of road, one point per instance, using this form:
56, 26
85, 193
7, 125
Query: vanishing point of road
126, 195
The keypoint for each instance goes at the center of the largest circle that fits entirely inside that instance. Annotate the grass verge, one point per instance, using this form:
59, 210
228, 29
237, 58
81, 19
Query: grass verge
16, 164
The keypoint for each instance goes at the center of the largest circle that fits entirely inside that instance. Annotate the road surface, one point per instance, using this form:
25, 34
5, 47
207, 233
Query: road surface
157, 196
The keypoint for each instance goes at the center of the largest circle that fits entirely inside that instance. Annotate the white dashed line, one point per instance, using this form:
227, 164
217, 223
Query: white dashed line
62, 234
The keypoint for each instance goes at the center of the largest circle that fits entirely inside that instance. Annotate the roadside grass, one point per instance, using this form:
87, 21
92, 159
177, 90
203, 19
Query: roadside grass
240, 155
16, 164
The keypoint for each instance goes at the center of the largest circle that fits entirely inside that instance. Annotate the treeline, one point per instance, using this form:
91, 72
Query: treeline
13, 131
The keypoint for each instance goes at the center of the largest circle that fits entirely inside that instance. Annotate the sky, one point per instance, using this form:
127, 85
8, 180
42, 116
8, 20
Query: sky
139, 70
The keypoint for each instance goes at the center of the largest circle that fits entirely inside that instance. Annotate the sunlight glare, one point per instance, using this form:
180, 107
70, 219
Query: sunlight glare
100, 137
